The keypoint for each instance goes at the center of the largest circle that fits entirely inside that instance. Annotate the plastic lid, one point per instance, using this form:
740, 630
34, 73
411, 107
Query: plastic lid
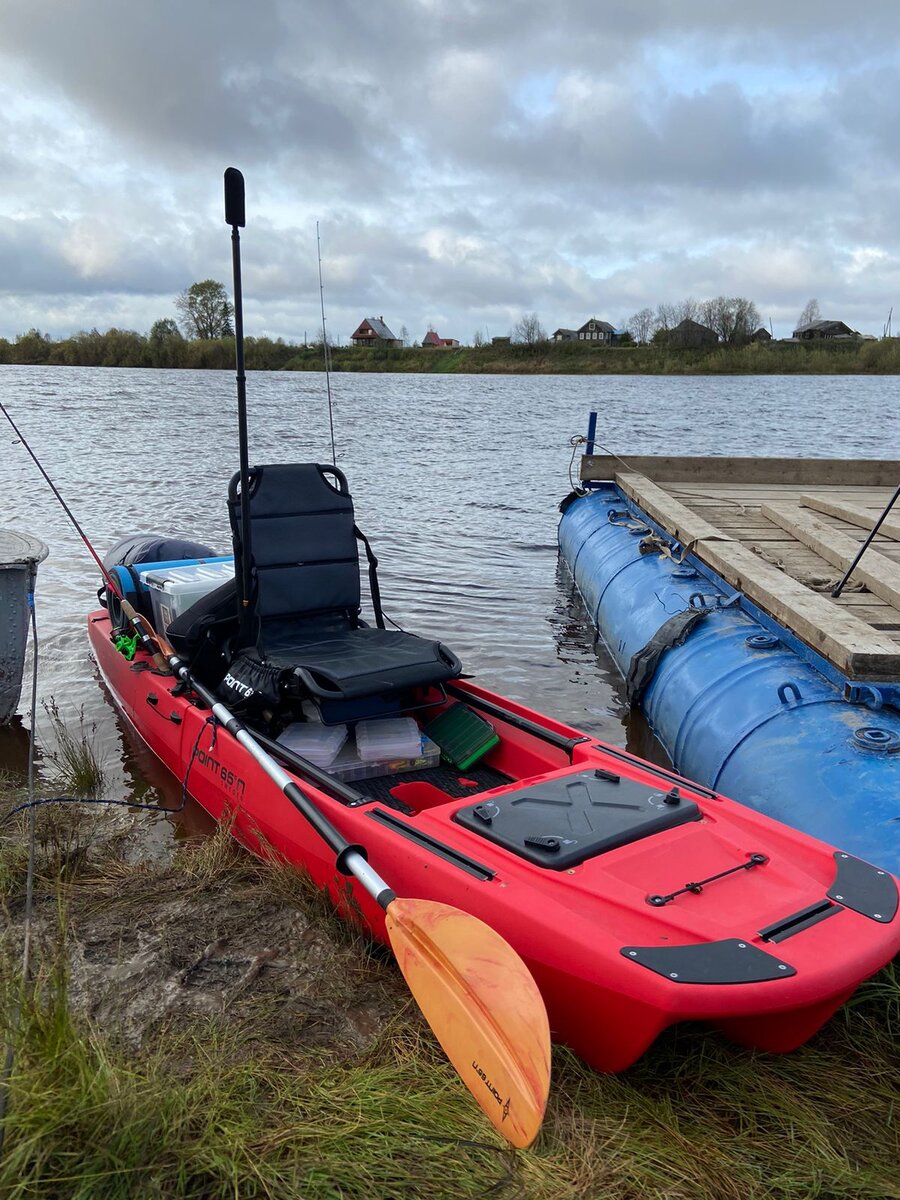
319, 743
395, 737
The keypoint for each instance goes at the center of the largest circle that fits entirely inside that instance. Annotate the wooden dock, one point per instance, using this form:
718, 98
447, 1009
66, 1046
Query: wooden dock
783, 531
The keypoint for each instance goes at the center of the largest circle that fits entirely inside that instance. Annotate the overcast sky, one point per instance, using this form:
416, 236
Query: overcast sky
468, 160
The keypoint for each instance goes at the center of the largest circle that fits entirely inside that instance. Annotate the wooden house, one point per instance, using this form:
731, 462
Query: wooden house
373, 332
820, 330
596, 331
691, 334
438, 343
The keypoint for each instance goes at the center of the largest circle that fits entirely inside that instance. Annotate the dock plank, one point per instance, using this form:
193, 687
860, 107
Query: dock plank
854, 514
811, 471
880, 574
855, 647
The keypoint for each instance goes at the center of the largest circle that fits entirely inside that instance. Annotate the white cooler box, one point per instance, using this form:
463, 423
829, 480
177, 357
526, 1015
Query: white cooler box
174, 589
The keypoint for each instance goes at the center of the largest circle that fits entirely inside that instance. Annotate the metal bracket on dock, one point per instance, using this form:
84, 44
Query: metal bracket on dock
864, 693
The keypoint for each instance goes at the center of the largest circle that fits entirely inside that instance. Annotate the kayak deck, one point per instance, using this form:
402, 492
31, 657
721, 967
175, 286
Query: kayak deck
668, 908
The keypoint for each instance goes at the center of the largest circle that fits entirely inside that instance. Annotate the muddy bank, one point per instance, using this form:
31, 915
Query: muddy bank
199, 931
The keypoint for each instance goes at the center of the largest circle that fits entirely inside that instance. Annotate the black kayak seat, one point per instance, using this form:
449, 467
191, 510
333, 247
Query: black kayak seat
305, 589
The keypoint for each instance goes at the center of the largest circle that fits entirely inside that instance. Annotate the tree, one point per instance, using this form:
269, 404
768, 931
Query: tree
686, 310
529, 331
810, 313
205, 310
734, 318
166, 344
404, 335
33, 347
163, 329
640, 326
665, 318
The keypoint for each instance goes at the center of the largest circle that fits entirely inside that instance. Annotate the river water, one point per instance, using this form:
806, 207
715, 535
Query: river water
456, 481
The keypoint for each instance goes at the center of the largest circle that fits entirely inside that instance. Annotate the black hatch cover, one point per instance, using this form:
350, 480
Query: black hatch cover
866, 889
558, 823
729, 961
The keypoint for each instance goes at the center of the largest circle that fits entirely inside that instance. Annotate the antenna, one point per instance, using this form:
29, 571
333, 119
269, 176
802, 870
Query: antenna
234, 216
326, 348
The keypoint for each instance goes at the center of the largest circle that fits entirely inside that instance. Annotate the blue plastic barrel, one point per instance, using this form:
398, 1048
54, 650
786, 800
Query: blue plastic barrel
735, 705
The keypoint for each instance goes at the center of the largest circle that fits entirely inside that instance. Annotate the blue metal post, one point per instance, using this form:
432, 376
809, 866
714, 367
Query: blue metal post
591, 433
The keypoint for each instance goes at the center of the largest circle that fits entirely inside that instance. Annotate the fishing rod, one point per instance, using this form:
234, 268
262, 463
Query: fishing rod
325, 347
138, 622
839, 586
473, 989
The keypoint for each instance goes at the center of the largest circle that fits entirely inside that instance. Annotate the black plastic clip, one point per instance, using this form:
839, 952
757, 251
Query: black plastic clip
543, 843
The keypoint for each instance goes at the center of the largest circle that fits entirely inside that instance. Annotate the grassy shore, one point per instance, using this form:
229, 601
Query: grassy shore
202, 1026
118, 348
581, 358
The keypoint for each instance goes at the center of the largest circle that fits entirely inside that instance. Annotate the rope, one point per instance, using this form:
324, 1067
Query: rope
159, 808
576, 440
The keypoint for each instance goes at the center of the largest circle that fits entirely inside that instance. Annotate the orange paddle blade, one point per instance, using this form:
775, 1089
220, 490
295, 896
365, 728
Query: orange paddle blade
484, 1007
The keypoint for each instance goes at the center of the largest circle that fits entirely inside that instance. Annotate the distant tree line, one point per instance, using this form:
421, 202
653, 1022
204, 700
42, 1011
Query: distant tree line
734, 319
205, 338
162, 347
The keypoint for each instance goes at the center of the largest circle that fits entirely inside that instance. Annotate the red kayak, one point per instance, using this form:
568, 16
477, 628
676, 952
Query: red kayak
636, 898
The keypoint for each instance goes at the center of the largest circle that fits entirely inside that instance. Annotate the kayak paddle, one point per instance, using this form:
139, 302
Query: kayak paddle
474, 990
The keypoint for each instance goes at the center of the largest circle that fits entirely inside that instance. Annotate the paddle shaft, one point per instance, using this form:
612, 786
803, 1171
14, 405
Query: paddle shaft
350, 856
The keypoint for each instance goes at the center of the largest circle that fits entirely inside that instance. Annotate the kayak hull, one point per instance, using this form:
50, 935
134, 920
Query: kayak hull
589, 933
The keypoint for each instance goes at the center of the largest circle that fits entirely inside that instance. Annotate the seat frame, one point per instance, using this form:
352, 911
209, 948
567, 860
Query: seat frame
314, 531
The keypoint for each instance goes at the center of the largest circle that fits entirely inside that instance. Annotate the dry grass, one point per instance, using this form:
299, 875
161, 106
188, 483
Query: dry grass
76, 763
317, 1078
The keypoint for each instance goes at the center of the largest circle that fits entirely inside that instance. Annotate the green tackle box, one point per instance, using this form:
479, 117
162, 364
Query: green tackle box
463, 736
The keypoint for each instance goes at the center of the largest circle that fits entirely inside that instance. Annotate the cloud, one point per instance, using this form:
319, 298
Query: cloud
469, 161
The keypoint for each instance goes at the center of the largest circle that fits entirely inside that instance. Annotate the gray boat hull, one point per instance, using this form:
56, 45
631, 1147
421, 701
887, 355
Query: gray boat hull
19, 559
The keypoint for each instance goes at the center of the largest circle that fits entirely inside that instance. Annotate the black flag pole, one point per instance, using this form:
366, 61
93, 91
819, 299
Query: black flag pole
234, 216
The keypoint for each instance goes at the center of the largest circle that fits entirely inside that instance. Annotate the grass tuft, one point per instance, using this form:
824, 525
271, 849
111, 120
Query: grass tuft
77, 764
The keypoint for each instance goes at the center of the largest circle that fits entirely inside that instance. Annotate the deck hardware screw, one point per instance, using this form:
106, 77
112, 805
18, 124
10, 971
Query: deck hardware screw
839, 897
843, 856
632, 953
782, 967
673, 974
877, 916
881, 872
742, 945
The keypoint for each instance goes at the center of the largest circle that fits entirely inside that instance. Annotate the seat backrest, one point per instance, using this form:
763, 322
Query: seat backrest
303, 548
